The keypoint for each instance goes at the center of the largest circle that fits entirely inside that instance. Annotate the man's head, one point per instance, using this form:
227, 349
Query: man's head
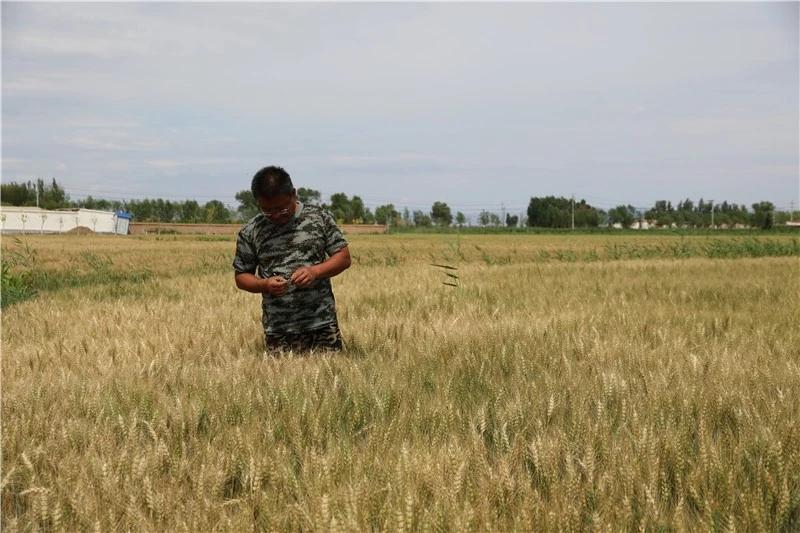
274, 193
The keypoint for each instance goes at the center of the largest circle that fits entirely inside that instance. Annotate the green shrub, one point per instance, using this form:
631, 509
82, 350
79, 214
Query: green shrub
13, 288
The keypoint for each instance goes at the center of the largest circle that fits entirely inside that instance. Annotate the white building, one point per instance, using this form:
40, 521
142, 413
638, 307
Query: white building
36, 220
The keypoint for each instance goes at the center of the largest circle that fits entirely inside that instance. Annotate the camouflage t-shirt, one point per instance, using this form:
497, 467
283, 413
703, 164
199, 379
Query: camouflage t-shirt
267, 249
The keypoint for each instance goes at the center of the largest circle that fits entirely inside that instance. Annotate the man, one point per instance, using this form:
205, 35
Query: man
288, 253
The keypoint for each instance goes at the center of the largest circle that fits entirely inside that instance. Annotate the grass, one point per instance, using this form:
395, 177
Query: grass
23, 277
567, 393
16, 284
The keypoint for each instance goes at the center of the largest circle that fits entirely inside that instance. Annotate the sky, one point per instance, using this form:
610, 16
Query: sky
478, 105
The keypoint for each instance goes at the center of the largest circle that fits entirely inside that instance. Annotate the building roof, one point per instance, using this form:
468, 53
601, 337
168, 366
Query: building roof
34, 209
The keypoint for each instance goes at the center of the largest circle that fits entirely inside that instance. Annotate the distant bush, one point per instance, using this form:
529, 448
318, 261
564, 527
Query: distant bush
16, 284
13, 288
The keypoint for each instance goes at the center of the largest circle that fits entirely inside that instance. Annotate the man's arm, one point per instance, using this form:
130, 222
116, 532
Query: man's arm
275, 285
334, 265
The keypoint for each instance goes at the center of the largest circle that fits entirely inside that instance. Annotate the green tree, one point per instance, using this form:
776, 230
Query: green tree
341, 208
248, 207
309, 196
422, 219
51, 196
622, 214
511, 220
102, 204
18, 194
190, 212
460, 218
142, 210
440, 214
666, 219
763, 215
165, 210
782, 217
369, 217
357, 210
557, 212
386, 214
215, 212
587, 216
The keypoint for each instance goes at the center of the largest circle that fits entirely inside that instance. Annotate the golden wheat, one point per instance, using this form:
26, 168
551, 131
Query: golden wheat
643, 394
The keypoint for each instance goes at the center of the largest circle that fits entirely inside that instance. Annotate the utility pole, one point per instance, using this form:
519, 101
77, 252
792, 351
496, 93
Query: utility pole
503, 213
37, 193
573, 211
712, 213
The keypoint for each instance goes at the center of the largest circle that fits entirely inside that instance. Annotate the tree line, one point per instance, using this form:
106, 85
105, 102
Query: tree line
701, 215
542, 212
52, 196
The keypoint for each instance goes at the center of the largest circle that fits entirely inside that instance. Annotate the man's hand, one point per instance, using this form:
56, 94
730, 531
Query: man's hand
276, 286
304, 276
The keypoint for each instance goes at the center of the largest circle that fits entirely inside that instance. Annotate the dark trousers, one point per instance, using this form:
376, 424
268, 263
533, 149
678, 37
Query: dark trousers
325, 338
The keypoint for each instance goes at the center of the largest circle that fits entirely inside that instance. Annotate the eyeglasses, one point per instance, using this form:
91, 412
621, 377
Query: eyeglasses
277, 213
272, 213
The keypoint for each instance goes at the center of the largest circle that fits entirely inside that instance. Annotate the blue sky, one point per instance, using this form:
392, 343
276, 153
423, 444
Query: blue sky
477, 105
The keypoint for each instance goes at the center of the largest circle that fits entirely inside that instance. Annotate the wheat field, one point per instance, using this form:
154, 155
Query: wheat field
562, 385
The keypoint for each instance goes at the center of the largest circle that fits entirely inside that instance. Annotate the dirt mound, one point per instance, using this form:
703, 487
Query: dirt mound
80, 230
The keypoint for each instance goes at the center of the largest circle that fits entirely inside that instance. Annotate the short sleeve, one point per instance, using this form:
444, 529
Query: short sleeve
245, 259
334, 240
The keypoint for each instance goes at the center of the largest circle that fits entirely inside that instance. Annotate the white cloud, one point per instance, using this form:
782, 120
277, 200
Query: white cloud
14, 162
29, 84
113, 142
89, 122
391, 159
188, 163
74, 44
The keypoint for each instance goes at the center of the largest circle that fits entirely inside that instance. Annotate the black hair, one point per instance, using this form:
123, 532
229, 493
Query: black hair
270, 182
